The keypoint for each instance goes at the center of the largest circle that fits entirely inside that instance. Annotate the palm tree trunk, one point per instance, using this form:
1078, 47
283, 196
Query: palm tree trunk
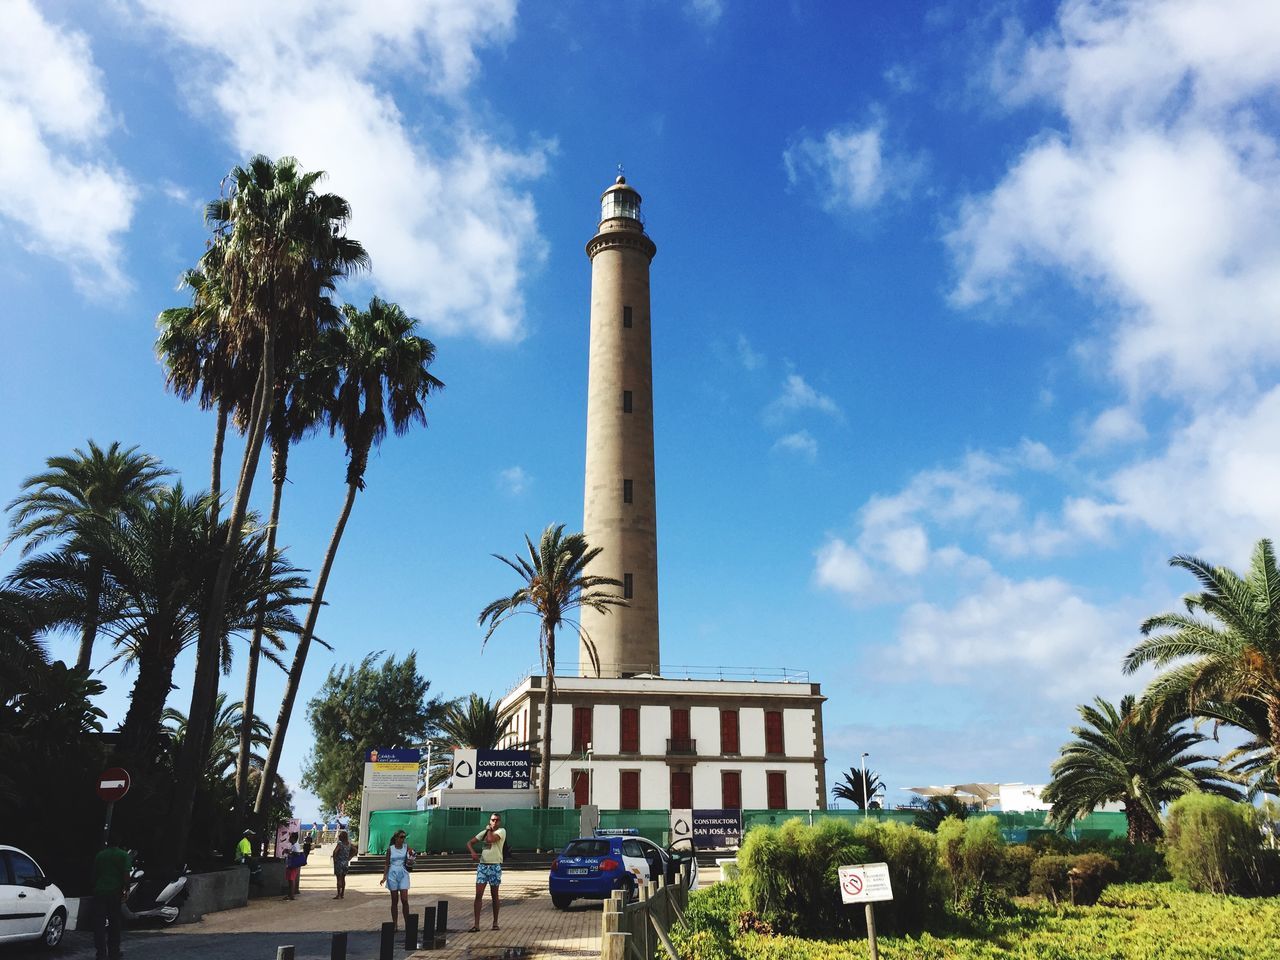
219, 442
300, 656
141, 725
544, 773
279, 470
1142, 828
92, 601
204, 688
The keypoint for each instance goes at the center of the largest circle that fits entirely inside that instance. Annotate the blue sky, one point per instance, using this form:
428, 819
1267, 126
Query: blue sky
965, 317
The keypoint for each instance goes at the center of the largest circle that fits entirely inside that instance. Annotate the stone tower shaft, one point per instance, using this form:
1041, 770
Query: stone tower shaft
620, 504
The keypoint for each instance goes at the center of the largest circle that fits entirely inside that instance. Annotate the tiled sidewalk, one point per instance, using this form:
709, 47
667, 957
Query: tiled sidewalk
527, 917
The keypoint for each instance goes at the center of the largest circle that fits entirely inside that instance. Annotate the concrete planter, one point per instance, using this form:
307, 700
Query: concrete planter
213, 892
270, 882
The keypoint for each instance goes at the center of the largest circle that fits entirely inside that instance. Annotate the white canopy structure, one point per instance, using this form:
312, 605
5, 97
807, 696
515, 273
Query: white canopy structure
986, 795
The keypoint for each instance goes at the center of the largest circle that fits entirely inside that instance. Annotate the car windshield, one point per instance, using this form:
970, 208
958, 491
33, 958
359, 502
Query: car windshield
586, 848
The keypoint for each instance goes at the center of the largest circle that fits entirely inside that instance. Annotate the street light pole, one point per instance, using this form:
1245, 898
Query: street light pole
866, 801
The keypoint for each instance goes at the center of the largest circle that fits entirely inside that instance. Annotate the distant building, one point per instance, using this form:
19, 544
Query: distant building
631, 737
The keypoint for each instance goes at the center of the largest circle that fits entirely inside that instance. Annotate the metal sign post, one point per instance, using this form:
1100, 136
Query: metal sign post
866, 883
112, 786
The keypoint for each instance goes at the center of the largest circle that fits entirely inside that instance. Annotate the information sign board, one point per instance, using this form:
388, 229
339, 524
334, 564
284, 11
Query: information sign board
392, 769
717, 829
865, 883
502, 770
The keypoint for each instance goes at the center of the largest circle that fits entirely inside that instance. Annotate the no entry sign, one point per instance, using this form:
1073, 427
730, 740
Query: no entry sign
113, 784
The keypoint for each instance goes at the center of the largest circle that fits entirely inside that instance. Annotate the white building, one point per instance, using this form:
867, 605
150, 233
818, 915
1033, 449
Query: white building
658, 742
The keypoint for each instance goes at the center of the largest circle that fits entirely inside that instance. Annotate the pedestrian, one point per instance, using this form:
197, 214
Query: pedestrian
341, 857
111, 869
489, 870
295, 858
244, 849
395, 873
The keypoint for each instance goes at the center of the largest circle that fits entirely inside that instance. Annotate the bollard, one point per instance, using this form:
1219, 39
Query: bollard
428, 928
284, 953
411, 931
613, 946
387, 946
338, 946
442, 916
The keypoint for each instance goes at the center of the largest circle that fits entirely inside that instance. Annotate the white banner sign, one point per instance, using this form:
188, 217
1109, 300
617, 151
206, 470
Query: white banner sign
865, 883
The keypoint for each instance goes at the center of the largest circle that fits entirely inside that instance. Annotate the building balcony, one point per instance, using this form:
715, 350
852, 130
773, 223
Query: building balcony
682, 748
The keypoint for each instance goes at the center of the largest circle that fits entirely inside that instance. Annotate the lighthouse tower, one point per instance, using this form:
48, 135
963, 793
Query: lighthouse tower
620, 511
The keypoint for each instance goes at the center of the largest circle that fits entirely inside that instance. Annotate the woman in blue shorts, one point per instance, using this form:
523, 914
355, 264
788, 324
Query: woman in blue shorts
395, 873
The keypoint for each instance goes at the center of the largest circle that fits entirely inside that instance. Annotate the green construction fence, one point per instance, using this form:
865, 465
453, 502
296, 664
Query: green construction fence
447, 831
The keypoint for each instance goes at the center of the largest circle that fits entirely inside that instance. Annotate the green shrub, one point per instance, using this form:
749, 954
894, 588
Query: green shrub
1213, 844
789, 875
1078, 879
710, 923
971, 852
1015, 869
912, 856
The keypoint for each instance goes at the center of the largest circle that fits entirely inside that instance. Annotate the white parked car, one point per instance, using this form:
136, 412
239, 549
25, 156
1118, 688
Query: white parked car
31, 905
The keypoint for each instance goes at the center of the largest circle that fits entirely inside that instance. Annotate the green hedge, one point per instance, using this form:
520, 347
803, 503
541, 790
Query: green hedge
1130, 922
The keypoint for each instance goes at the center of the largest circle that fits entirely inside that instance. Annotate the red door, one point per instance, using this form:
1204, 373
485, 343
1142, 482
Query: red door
581, 788
731, 790
729, 732
629, 790
776, 789
680, 730
681, 790
581, 729
630, 730
773, 732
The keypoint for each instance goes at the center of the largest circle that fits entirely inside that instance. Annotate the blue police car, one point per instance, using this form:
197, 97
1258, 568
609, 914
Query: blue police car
591, 868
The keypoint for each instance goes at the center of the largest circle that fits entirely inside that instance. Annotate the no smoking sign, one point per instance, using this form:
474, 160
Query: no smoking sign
865, 883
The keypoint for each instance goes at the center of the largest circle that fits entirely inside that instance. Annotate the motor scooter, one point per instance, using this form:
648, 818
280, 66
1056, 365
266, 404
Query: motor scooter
142, 904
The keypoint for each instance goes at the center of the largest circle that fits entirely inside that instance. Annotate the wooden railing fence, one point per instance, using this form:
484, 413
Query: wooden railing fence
633, 931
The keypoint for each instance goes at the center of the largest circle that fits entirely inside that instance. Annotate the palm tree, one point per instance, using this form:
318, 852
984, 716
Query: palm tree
554, 584
74, 494
472, 723
277, 250
932, 811
1233, 657
225, 740
301, 393
379, 366
1134, 755
856, 790
158, 569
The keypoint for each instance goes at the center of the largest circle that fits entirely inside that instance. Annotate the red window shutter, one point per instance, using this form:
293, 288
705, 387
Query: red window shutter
776, 782
630, 730
581, 788
681, 790
729, 732
773, 732
581, 729
680, 727
730, 790
629, 790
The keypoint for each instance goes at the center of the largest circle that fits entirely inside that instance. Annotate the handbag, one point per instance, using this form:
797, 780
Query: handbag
297, 860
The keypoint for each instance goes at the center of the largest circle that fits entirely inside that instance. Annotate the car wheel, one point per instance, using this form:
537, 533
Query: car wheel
561, 901
54, 929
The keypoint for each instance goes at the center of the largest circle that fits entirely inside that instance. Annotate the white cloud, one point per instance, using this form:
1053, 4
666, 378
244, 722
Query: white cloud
436, 201
841, 567
797, 396
801, 443
848, 167
707, 13
1039, 634
1161, 194
747, 356
58, 183
514, 481
1118, 426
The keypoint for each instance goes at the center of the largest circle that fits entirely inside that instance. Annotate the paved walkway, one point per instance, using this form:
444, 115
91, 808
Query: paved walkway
527, 919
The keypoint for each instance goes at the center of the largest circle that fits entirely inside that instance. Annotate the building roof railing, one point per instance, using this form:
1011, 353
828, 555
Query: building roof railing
680, 672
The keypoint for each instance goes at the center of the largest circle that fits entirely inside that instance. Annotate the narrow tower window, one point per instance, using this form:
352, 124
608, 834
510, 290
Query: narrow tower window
628, 587
626, 491
626, 316
626, 401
